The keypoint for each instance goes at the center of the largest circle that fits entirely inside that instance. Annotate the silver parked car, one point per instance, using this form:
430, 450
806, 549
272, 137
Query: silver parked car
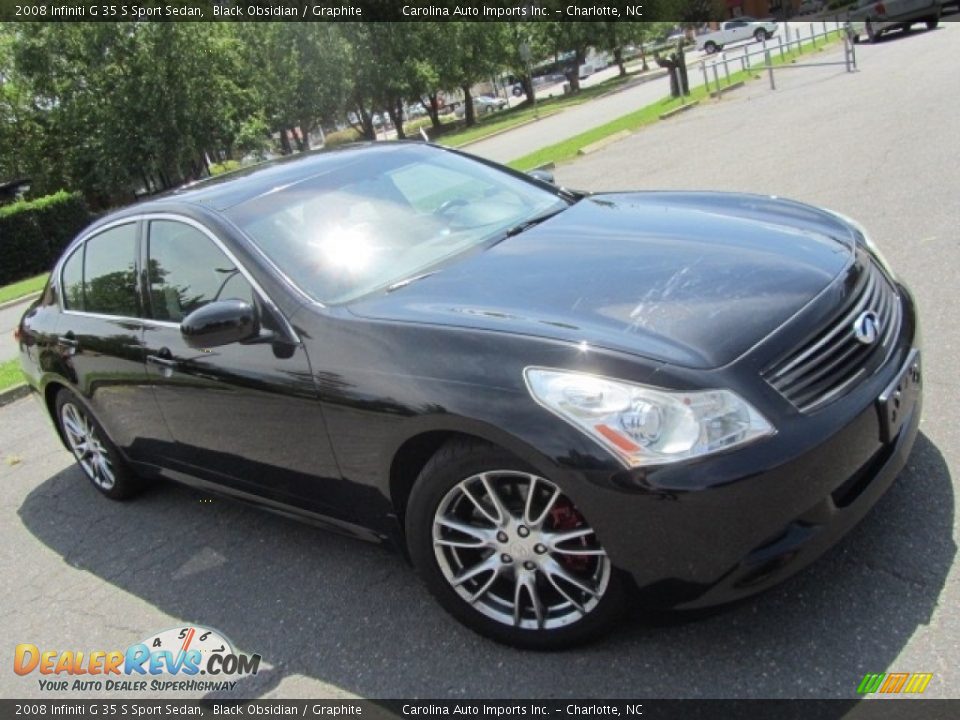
873, 18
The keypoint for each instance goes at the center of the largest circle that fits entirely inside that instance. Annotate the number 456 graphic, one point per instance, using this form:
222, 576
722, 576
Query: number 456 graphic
914, 683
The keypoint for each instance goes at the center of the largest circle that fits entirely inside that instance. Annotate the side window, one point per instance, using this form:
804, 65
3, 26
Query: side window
72, 281
101, 276
187, 271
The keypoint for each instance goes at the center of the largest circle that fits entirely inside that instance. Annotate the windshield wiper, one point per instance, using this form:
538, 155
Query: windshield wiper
530, 222
407, 280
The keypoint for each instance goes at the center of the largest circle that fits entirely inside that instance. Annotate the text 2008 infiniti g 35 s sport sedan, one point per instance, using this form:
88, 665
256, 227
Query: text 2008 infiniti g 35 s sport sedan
557, 404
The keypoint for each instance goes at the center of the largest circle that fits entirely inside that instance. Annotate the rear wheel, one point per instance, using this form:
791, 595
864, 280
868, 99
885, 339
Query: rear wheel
872, 34
507, 553
932, 23
761, 35
710, 48
96, 455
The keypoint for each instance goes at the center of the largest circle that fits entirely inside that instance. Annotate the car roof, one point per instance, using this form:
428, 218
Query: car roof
225, 191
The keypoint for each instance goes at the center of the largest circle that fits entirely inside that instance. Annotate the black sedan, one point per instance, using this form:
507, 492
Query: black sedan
556, 404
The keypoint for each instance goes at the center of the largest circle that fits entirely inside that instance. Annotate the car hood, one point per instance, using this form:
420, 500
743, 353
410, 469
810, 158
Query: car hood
692, 279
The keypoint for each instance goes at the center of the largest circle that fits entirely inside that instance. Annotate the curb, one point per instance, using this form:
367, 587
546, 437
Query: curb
22, 299
600, 144
501, 132
676, 111
728, 88
13, 394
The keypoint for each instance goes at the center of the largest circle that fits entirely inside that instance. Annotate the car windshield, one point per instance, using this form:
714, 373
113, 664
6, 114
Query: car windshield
373, 219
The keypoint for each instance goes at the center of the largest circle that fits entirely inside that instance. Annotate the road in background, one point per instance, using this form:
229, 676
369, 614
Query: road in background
580, 118
335, 617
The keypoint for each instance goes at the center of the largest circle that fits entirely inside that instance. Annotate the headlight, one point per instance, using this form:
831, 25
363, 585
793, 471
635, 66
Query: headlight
868, 241
642, 425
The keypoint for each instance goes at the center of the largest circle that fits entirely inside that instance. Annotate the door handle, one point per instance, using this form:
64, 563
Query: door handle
161, 361
164, 360
69, 343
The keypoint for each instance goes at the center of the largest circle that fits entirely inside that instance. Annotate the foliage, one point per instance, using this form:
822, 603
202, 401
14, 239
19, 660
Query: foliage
118, 110
34, 233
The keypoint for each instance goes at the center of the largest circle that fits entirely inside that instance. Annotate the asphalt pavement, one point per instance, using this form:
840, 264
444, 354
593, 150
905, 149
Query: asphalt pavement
335, 617
580, 118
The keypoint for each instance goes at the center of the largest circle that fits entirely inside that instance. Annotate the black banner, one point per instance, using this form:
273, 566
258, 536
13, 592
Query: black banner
874, 709
361, 10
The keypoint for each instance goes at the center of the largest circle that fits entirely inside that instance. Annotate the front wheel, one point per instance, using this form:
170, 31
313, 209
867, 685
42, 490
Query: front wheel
96, 455
506, 551
932, 23
761, 35
872, 34
710, 48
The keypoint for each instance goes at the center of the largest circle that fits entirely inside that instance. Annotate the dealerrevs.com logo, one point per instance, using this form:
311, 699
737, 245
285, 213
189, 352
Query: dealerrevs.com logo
186, 659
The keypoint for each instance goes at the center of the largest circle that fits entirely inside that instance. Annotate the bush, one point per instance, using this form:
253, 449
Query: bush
33, 233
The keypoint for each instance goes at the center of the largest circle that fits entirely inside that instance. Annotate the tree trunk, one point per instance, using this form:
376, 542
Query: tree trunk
527, 82
433, 109
395, 111
578, 58
618, 58
285, 148
468, 113
643, 58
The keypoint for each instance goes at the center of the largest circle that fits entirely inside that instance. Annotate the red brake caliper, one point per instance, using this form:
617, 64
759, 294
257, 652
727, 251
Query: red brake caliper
564, 516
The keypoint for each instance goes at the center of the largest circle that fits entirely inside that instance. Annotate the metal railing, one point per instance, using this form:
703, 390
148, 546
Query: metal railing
782, 44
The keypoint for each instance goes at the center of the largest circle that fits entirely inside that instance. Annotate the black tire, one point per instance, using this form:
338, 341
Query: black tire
760, 35
459, 462
103, 465
873, 35
932, 23
710, 47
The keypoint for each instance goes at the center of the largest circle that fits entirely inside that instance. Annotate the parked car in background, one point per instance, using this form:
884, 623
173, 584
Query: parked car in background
731, 31
872, 18
808, 7
484, 104
558, 406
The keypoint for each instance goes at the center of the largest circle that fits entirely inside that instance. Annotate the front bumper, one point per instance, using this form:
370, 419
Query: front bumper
733, 525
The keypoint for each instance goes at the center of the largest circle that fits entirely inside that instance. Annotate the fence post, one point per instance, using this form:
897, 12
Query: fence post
703, 69
726, 68
780, 41
813, 36
716, 79
769, 62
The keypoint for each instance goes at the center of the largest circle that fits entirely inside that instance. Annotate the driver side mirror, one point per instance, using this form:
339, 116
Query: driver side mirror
543, 176
220, 323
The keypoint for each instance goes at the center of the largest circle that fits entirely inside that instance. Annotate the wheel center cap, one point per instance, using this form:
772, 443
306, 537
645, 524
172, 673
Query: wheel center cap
520, 550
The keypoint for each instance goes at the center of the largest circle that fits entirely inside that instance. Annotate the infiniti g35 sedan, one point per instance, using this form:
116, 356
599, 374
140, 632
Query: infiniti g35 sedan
555, 404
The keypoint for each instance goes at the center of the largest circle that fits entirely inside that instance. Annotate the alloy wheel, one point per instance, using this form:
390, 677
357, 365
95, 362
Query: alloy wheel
87, 447
514, 547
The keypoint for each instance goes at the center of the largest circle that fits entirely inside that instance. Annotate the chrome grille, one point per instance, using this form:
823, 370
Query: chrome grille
831, 362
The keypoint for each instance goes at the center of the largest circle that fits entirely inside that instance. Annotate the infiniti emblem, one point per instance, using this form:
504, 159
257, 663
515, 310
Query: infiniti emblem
866, 328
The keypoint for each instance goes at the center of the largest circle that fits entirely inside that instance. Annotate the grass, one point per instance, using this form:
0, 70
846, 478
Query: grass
23, 287
10, 374
568, 149
493, 123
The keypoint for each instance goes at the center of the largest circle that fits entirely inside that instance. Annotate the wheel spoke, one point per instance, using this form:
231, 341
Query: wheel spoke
479, 505
555, 539
593, 552
555, 570
547, 508
486, 586
527, 582
488, 565
480, 534
502, 513
528, 505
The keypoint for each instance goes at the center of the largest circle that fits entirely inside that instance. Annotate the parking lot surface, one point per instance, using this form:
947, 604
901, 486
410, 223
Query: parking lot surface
337, 618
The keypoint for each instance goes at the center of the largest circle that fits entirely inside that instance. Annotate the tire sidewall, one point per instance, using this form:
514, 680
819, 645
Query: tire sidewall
452, 464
